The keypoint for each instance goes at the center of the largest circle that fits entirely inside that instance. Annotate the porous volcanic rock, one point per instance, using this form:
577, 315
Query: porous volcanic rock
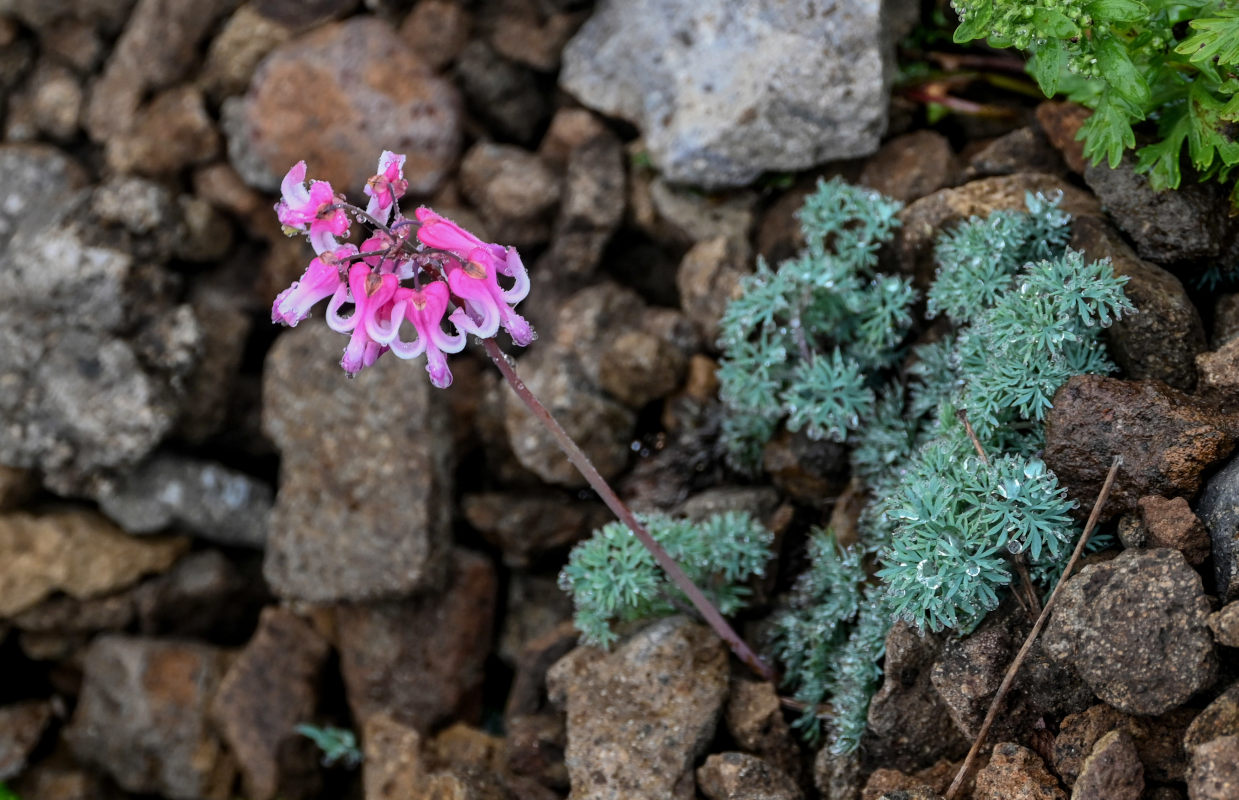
1112, 771
1016, 773
1218, 509
740, 776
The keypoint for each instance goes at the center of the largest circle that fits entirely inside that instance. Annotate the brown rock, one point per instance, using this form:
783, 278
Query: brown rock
1165, 334
536, 608
535, 748
754, 718
969, 670
21, 727
1225, 319
79, 553
302, 15
171, 132
505, 95
1134, 629
392, 768
1112, 771
1016, 773
1167, 440
1061, 122
837, 774
421, 660
740, 776
1225, 625
1214, 773
525, 525
709, 278
639, 717
363, 509
338, 96
638, 367
163, 743
437, 31
1022, 150
529, 32
1171, 523
1220, 718
679, 217
911, 166
932, 780
271, 687
60, 779
205, 594
245, 39
569, 129
1159, 741
512, 189
1219, 371
220, 185
16, 485
592, 207
462, 745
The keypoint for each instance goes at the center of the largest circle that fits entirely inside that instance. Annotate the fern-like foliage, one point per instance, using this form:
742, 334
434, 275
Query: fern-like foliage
612, 578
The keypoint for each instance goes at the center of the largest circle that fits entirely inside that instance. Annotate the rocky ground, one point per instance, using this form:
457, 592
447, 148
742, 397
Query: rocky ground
209, 536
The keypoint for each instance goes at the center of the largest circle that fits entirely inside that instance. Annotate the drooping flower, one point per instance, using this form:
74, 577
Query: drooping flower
386, 186
425, 308
310, 210
368, 293
321, 280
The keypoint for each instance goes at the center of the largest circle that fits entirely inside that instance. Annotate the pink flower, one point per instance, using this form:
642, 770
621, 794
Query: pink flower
442, 234
486, 305
320, 281
425, 308
310, 210
386, 187
369, 293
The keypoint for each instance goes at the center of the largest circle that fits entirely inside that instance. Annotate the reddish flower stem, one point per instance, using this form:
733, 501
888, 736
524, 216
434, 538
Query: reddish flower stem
617, 506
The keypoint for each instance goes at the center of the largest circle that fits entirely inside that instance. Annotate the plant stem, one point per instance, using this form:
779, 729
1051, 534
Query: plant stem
1009, 678
617, 506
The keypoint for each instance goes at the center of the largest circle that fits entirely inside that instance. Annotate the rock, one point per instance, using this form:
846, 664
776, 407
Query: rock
969, 670
1164, 336
917, 793
638, 367
163, 743
1022, 150
705, 120
270, 688
158, 48
1226, 319
535, 749
503, 94
302, 15
336, 97
76, 552
1171, 523
639, 717
909, 726
1214, 773
599, 425
1158, 740
1218, 509
245, 39
226, 329
55, 98
1225, 625
1218, 370
911, 166
809, 470
709, 278
59, 779
1016, 773
207, 499
1220, 718
837, 775
1061, 122
170, 133
593, 204
1134, 629
529, 32
527, 525
1188, 224
929, 782
60, 626
754, 718
421, 659
740, 776
537, 612
464, 746
106, 15
1112, 772
924, 219
392, 768
1167, 440
679, 217
16, 486
77, 43
364, 505
513, 190
568, 130
204, 595
21, 728
437, 30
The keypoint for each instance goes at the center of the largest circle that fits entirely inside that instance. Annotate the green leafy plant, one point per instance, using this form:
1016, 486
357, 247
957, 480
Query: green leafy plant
1175, 64
612, 578
339, 745
7, 794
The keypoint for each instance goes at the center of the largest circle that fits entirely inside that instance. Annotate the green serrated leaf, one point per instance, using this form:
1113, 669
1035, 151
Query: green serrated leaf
1107, 133
1216, 40
1161, 159
1116, 10
1054, 23
1119, 70
975, 25
1046, 66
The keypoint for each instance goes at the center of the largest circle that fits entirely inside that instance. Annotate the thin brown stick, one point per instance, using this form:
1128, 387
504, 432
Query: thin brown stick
617, 506
1009, 678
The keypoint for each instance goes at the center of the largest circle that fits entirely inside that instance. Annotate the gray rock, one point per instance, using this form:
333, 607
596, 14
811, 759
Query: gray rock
1135, 629
211, 388
204, 595
514, 191
531, 32
1219, 511
21, 727
754, 718
437, 30
724, 92
593, 205
501, 92
163, 742
740, 776
639, 717
200, 497
1225, 625
107, 15
709, 278
680, 217
235, 52
364, 504
309, 100
527, 525
1112, 771
1214, 772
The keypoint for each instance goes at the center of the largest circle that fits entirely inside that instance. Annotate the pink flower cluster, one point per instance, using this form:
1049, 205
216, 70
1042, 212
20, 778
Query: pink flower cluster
408, 270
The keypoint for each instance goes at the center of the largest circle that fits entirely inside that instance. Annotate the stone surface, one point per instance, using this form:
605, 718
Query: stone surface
1214, 772
740, 776
1219, 718
932, 780
723, 93
1022, 150
1171, 523
207, 499
512, 189
1218, 370
171, 132
336, 97
1158, 740
235, 52
212, 387
680, 217
534, 748
302, 15
1188, 224
421, 660
437, 30
1134, 629
392, 767
837, 775
709, 278
910, 166
526, 525
502, 93
594, 192
1218, 509
163, 742
531, 32
21, 728
637, 367
1164, 336
1112, 771
364, 504
1060, 122
754, 718
204, 595
269, 689
1167, 440
640, 716
1225, 319
1225, 625
1016, 773
16, 486
76, 552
